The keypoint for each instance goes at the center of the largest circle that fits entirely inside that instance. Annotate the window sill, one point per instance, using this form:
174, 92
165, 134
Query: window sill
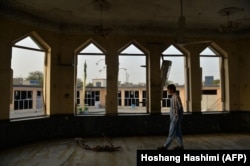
29, 118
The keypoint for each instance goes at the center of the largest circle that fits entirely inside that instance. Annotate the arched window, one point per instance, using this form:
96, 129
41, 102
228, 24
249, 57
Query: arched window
132, 87
211, 63
90, 80
176, 75
29, 74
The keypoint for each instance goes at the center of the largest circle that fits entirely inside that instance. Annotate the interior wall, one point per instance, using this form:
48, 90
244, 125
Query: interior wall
62, 70
244, 75
69, 126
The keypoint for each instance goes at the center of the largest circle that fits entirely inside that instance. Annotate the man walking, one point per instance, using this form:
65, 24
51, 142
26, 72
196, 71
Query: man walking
176, 115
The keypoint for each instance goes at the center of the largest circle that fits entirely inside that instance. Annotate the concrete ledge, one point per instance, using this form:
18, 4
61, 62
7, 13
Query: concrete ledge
61, 126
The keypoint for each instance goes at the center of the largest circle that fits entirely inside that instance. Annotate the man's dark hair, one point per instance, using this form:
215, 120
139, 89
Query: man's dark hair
172, 87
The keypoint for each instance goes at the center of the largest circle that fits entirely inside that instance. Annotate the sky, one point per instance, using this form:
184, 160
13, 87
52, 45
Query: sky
208, 67
130, 70
25, 61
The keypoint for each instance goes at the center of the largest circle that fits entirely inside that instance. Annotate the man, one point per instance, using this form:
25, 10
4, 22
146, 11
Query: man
176, 115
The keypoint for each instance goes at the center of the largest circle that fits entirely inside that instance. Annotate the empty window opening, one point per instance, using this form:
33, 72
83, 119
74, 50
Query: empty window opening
92, 97
209, 52
209, 92
132, 82
131, 98
176, 75
27, 63
144, 98
172, 50
23, 100
211, 67
78, 97
119, 98
91, 81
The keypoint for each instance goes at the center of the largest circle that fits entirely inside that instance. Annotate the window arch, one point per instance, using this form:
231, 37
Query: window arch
213, 80
177, 74
90, 77
29, 63
132, 84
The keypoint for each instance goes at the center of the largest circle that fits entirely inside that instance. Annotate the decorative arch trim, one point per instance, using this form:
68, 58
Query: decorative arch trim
86, 43
218, 49
137, 44
37, 39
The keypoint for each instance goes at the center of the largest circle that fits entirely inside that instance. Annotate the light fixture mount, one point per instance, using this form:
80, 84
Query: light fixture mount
101, 5
229, 26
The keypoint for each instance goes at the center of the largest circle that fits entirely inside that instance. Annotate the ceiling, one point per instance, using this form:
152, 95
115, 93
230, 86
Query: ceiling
127, 16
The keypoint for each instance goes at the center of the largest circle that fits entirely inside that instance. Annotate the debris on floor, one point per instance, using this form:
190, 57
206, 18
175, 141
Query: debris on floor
98, 148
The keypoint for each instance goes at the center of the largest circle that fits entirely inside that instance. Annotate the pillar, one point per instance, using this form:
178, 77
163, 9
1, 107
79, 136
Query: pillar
62, 77
112, 82
5, 79
154, 81
195, 80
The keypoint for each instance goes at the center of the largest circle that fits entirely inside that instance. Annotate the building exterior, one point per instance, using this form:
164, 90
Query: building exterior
26, 97
136, 96
29, 97
99, 82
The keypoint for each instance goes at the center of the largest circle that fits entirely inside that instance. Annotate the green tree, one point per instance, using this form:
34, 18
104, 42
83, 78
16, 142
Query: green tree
36, 75
90, 85
216, 82
79, 82
168, 82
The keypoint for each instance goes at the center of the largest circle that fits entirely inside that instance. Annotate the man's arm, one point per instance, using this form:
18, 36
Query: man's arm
176, 105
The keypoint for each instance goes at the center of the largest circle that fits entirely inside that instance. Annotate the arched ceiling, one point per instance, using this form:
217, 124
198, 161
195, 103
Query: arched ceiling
128, 16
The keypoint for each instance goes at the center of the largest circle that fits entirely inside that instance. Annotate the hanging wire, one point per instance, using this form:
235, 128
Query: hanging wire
181, 9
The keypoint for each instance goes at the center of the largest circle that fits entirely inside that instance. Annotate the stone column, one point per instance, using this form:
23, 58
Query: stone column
154, 81
5, 79
62, 93
195, 80
112, 82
